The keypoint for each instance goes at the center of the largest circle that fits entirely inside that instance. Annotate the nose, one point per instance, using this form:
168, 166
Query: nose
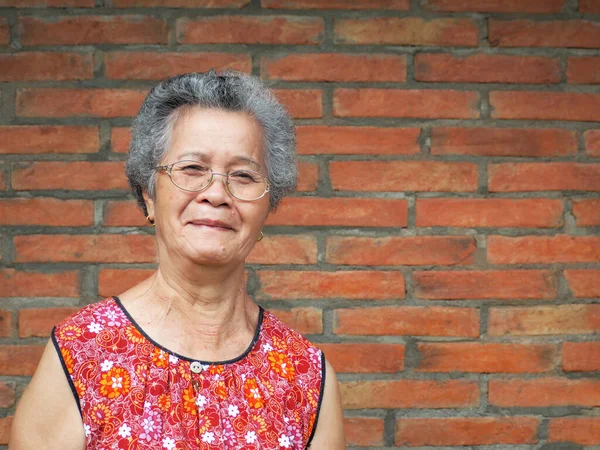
215, 193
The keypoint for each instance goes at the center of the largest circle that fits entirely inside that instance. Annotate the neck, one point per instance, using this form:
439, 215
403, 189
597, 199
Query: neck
205, 310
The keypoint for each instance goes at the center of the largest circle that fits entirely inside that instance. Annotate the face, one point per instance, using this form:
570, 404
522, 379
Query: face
210, 227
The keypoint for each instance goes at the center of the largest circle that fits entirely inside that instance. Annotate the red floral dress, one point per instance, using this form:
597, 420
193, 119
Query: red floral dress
134, 394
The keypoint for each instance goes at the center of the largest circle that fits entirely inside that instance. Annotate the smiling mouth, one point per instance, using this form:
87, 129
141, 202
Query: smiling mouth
212, 224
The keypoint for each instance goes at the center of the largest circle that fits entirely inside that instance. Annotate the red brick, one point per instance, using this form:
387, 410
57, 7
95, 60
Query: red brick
407, 31
303, 320
530, 6
544, 392
123, 213
38, 322
281, 249
120, 137
486, 358
157, 66
284, 284
301, 103
349, 212
489, 212
7, 394
581, 356
592, 142
338, 4
36, 66
250, 30
78, 175
583, 70
575, 430
364, 431
4, 31
545, 105
364, 358
6, 323
132, 248
85, 30
46, 212
482, 68
322, 139
487, 141
559, 33
18, 283
589, 6
587, 212
308, 176
543, 249
19, 360
415, 103
334, 67
47, 3
409, 320
489, 284
115, 281
583, 282
5, 426
395, 394
466, 431
544, 320
38, 139
47, 102
401, 176
395, 251
555, 176
180, 3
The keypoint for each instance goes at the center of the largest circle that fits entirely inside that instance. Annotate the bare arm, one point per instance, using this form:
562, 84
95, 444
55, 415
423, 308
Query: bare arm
329, 434
47, 416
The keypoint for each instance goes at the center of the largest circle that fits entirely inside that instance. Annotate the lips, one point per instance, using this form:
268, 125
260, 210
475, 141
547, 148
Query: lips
212, 223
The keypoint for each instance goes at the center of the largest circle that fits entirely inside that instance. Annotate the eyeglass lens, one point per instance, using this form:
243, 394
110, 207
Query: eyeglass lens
195, 176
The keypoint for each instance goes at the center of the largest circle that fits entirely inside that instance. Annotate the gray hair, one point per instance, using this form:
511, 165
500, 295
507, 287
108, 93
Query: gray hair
228, 91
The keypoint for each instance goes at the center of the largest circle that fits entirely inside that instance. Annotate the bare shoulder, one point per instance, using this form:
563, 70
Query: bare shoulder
47, 415
329, 432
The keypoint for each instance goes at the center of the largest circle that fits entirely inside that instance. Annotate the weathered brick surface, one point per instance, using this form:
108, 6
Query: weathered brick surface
441, 247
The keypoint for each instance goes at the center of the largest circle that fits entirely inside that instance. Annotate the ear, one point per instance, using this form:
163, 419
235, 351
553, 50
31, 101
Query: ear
149, 204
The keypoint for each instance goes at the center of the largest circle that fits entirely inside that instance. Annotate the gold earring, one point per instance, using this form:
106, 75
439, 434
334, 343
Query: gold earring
149, 221
262, 235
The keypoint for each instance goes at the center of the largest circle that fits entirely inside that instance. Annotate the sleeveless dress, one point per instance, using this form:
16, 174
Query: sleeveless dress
133, 393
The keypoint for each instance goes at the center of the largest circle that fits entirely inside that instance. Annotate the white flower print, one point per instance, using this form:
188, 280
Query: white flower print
315, 354
106, 365
233, 410
147, 405
208, 437
95, 327
267, 347
284, 441
113, 318
201, 401
169, 443
87, 430
250, 437
173, 359
125, 431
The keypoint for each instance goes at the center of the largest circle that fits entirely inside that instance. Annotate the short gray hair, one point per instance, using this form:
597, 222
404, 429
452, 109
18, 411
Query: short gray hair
228, 91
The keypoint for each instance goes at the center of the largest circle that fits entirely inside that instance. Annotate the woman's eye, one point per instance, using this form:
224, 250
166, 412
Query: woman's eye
194, 168
244, 176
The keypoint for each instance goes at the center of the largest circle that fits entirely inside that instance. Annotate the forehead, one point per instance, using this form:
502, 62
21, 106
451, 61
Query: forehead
216, 136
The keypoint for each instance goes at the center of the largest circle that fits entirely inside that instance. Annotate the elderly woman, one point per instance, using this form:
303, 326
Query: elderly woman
185, 359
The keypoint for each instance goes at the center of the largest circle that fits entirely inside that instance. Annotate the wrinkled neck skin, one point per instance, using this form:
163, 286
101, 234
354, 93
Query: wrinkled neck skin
200, 311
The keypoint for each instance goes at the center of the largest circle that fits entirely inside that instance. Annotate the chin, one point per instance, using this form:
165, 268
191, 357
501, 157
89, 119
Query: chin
216, 254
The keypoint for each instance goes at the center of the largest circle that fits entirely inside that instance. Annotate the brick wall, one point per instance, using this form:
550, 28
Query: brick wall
443, 247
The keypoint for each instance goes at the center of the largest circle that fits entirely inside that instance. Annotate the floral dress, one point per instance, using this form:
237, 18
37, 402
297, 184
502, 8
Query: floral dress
133, 393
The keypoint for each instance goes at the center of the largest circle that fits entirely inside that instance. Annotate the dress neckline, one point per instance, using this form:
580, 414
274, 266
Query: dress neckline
187, 358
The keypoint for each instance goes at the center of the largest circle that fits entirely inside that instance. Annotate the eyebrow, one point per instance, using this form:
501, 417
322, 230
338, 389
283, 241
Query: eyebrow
202, 155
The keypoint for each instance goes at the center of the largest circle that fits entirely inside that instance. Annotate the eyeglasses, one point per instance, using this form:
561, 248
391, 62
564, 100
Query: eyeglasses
195, 176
